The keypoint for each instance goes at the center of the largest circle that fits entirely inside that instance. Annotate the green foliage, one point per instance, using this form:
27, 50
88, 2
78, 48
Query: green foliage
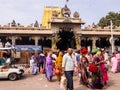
105, 21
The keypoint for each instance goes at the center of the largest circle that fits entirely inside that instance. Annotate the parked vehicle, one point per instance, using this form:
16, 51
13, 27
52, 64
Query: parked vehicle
11, 73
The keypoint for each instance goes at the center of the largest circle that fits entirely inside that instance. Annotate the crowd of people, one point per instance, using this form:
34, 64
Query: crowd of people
91, 67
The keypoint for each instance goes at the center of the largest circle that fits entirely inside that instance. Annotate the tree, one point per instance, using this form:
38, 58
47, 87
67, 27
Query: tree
114, 16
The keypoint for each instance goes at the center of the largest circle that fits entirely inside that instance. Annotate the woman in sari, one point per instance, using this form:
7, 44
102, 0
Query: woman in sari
118, 61
114, 63
33, 66
59, 65
49, 66
99, 78
103, 69
82, 68
96, 76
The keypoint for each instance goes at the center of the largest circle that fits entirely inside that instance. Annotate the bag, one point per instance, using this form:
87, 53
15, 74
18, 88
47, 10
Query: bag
93, 68
43, 70
56, 72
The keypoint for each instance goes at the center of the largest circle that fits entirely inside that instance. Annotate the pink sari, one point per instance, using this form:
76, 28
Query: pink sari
103, 71
114, 64
118, 62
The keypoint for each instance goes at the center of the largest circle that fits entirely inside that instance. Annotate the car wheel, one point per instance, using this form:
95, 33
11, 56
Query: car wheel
12, 76
19, 76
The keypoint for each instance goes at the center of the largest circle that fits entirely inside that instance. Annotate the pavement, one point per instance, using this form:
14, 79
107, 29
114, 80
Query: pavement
39, 82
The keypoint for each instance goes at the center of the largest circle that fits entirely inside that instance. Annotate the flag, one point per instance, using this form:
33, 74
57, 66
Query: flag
67, 0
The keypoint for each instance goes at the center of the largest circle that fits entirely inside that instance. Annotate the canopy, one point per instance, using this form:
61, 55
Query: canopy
27, 47
7, 48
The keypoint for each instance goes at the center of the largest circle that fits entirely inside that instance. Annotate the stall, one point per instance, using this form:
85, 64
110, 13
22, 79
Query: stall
24, 52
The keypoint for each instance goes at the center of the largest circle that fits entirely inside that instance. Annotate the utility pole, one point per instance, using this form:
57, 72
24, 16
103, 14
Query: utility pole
112, 39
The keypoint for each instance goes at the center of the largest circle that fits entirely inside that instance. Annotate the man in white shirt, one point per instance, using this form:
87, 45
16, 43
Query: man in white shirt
68, 65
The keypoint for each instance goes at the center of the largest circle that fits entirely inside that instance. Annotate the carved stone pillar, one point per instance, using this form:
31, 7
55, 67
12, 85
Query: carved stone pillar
94, 42
13, 38
54, 41
13, 41
78, 41
54, 38
35, 38
36, 41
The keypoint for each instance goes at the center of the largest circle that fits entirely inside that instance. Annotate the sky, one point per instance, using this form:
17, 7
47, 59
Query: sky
27, 12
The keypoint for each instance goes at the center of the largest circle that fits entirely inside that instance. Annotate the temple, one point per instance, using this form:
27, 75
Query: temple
59, 30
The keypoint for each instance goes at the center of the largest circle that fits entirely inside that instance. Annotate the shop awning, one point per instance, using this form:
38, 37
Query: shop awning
6, 48
27, 47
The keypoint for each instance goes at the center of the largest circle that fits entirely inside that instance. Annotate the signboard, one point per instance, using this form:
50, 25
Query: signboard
27, 47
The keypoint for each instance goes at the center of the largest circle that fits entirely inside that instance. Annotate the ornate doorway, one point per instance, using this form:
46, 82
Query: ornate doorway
66, 40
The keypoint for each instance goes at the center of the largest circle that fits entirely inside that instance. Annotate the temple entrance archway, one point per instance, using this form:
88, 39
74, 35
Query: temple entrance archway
66, 40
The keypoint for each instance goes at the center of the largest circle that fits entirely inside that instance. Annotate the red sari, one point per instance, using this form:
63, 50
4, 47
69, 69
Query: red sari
103, 71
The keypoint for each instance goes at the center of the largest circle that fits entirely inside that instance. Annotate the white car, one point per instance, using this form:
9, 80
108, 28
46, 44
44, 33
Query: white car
11, 73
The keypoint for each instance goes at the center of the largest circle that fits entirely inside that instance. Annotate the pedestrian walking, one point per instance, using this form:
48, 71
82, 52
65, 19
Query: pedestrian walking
49, 66
59, 65
83, 67
33, 65
41, 61
68, 65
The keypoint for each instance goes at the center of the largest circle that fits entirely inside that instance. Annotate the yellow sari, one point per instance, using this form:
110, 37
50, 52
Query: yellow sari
59, 66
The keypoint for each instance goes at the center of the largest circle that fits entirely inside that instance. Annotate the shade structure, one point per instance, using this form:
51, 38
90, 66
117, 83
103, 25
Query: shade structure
27, 47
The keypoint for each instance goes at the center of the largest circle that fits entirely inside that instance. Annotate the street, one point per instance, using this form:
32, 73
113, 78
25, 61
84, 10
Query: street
39, 82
